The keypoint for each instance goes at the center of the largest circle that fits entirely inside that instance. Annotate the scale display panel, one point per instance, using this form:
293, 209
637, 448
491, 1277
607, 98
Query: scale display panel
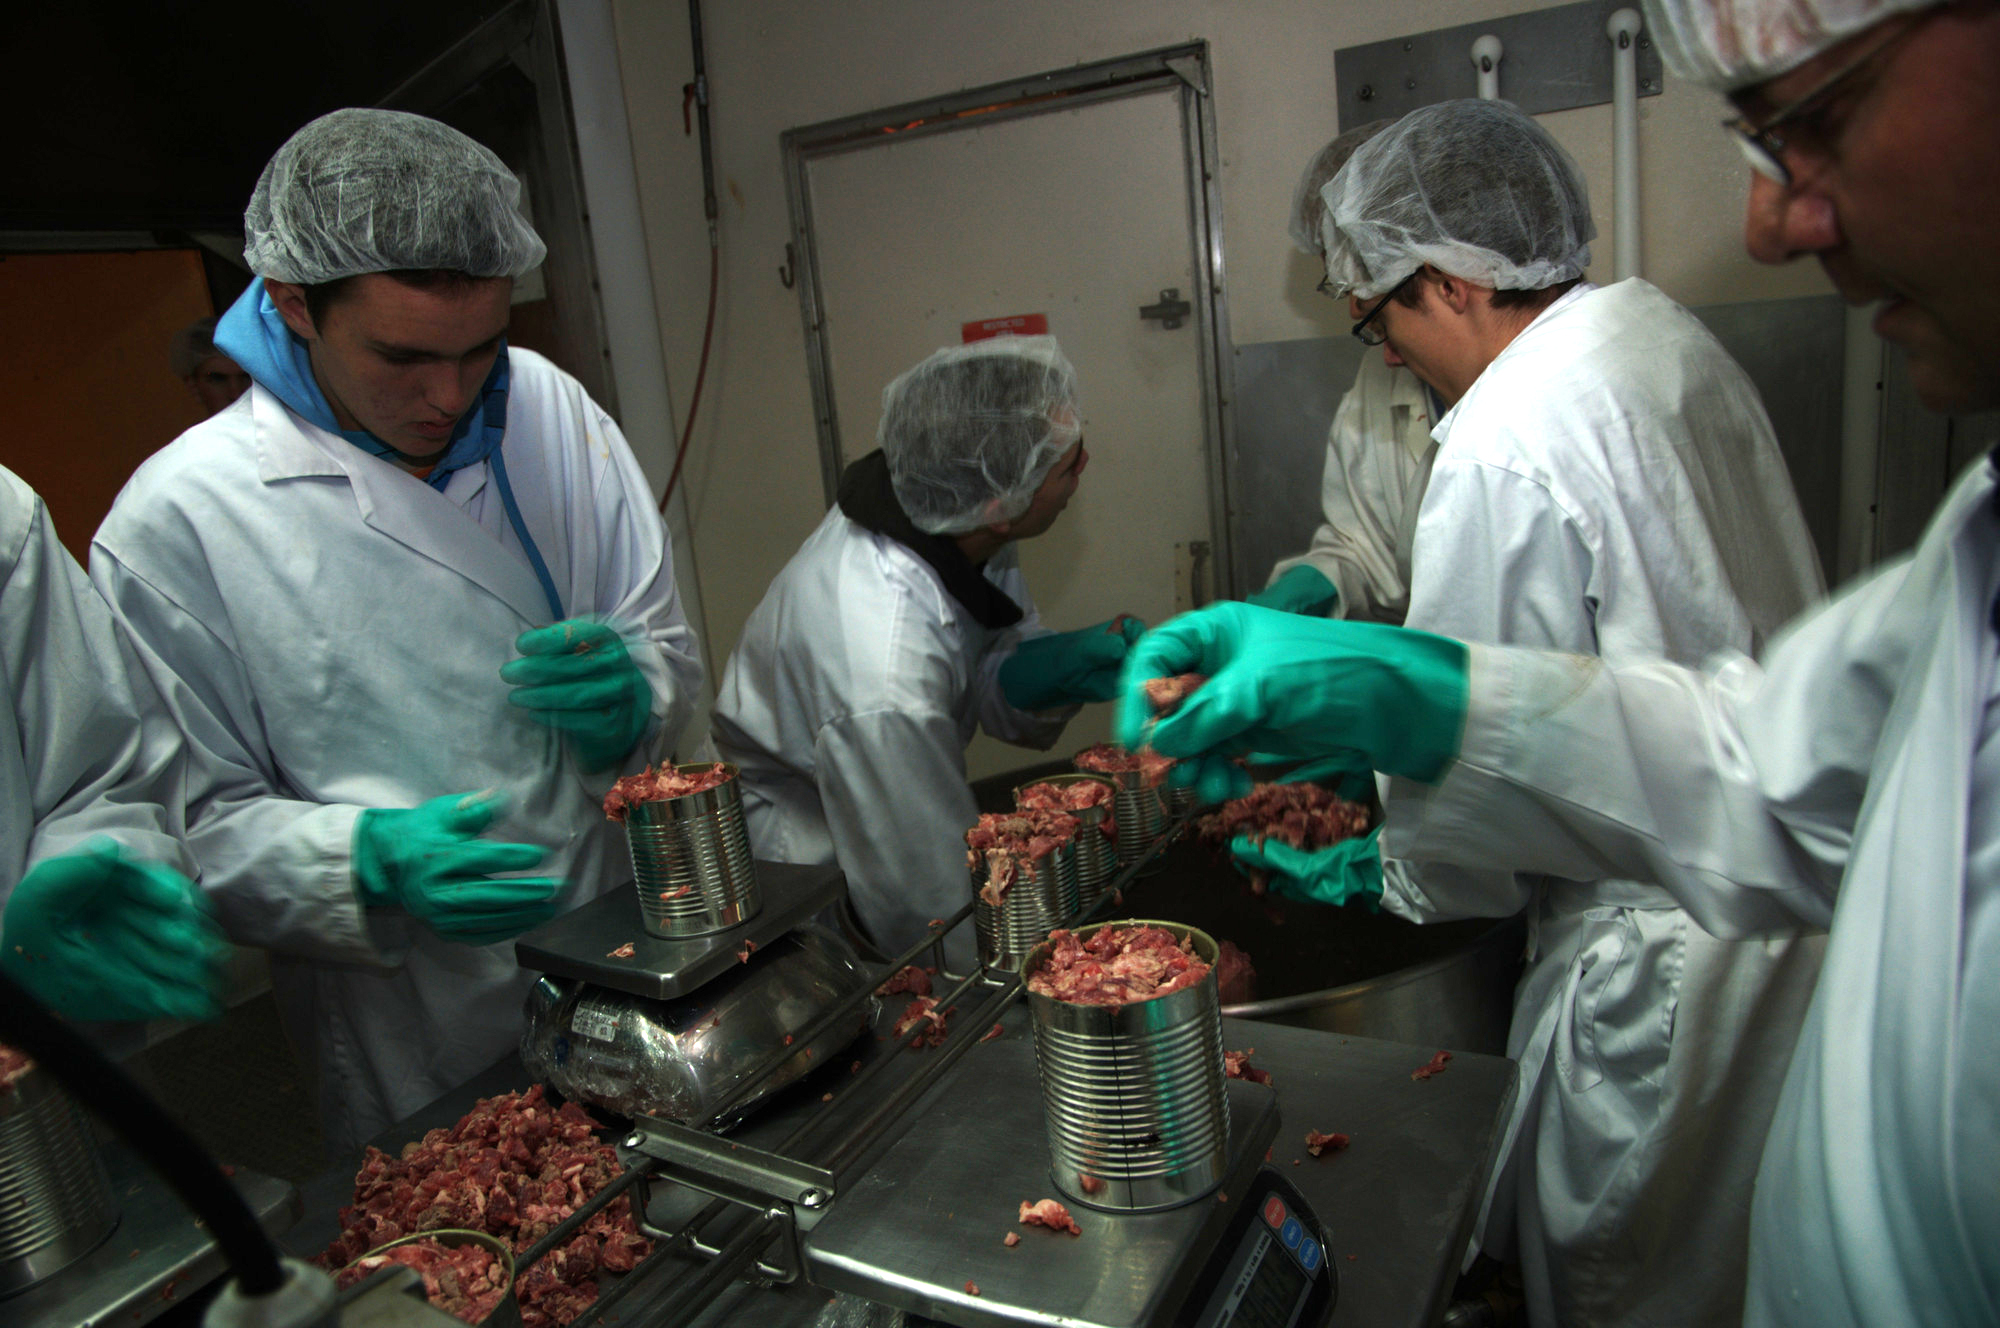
1270, 1270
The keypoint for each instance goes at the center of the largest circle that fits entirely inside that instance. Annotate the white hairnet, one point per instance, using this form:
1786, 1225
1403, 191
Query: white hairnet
190, 346
1476, 189
376, 191
1307, 207
1731, 44
969, 433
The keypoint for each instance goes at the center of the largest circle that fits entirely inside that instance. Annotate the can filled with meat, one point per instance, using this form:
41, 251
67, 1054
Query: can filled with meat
1090, 799
1128, 1042
1140, 810
55, 1199
690, 848
1023, 872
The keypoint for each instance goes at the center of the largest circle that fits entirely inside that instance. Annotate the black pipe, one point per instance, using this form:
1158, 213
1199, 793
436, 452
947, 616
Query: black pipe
708, 203
161, 1143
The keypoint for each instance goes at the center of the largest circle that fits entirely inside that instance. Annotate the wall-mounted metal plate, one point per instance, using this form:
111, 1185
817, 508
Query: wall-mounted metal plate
1554, 60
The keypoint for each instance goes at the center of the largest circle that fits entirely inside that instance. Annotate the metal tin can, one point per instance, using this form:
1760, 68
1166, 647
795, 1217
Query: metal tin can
1096, 851
55, 1199
1140, 811
691, 859
1180, 800
1038, 901
1133, 1097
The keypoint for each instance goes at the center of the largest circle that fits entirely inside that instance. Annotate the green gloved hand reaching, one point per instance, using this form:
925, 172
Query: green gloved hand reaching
578, 676
1069, 668
98, 934
430, 862
1302, 589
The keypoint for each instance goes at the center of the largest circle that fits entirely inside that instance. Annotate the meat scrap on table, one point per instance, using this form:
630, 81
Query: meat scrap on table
918, 1011
1117, 966
1048, 1213
1434, 1066
625, 951
1011, 1239
1317, 1143
1236, 1065
514, 1167
908, 978
651, 785
747, 949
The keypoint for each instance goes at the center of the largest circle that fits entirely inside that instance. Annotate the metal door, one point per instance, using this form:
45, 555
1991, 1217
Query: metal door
1082, 202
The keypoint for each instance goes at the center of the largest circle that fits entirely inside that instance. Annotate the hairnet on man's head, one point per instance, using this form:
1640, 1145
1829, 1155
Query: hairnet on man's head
1307, 207
1732, 44
972, 431
1476, 189
362, 191
190, 346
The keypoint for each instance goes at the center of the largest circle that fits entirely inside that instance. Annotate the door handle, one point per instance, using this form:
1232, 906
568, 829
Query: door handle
1171, 311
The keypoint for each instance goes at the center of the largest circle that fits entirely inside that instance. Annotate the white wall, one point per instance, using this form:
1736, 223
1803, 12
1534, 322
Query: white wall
753, 469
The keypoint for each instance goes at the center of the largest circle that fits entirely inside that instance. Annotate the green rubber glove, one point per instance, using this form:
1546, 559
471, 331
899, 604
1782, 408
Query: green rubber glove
1302, 589
99, 935
1068, 668
1386, 698
577, 676
1351, 869
430, 862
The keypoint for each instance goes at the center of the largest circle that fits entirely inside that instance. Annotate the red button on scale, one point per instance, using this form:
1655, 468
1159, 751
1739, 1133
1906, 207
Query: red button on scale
1274, 1212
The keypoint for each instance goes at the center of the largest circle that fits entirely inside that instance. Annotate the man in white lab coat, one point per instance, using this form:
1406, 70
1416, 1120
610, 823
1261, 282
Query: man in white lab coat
101, 922
1852, 777
406, 564
1379, 452
1606, 483
903, 625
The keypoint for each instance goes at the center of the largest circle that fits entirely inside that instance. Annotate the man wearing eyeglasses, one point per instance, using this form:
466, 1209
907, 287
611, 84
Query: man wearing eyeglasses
1606, 484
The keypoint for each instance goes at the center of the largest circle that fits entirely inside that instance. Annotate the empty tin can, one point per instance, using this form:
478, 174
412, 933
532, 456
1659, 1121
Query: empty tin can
55, 1200
1096, 851
1140, 812
1036, 903
1133, 1096
691, 858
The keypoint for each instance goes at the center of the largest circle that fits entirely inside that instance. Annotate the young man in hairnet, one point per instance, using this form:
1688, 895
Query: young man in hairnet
1606, 483
1379, 452
903, 624
1851, 777
413, 563
101, 924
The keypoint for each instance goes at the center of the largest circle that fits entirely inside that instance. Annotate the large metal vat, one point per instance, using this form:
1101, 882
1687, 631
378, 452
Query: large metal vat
1343, 970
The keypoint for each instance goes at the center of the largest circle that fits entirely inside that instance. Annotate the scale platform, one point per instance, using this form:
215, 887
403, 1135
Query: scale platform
933, 1214
579, 944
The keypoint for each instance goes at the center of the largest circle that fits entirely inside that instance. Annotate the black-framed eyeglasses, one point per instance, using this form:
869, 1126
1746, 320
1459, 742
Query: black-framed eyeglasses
1375, 336
1764, 148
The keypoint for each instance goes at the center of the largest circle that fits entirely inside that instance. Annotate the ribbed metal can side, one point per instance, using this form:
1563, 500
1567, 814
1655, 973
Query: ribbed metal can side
1132, 1097
691, 860
1141, 813
55, 1199
1096, 852
1034, 905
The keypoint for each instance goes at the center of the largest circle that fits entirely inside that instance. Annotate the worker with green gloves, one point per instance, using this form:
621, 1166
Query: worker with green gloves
1066, 668
578, 678
431, 863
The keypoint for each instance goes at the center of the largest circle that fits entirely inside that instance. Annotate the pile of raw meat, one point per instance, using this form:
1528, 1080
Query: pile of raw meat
1011, 842
1077, 796
515, 1167
651, 785
1117, 966
1303, 815
465, 1282
13, 1064
1108, 758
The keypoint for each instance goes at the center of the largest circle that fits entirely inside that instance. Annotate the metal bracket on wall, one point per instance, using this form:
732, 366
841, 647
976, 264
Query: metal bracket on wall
1556, 59
1171, 310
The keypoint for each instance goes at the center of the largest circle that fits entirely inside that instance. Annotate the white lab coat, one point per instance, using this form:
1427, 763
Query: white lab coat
80, 754
848, 704
1610, 486
1379, 452
328, 631
1855, 778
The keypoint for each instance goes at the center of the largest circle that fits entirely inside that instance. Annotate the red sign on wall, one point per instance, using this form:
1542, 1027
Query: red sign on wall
1019, 325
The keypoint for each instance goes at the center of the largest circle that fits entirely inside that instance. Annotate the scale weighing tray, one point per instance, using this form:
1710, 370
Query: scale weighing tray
933, 1213
579, 943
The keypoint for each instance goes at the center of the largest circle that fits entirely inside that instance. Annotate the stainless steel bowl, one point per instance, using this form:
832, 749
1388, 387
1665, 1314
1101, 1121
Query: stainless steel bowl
691, 859
55, 1199
1133, 1097
1096, 851
679, 1059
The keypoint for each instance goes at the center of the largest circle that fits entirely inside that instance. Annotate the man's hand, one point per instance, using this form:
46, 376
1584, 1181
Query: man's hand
577, 676
1351, 869
1302, 589
100, 935
430, 862
1068, 668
